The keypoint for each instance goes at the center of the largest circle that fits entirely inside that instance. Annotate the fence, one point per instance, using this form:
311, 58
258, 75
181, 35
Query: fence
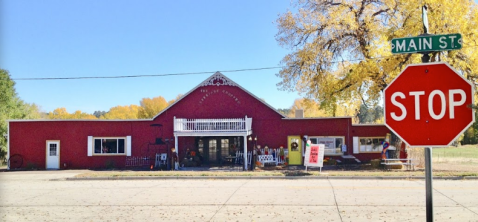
272, 151
137, 161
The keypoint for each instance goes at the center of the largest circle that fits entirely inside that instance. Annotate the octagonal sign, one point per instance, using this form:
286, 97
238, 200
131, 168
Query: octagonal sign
428, 105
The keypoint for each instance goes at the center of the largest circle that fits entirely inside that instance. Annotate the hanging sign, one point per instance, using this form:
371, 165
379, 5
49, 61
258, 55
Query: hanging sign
314, 155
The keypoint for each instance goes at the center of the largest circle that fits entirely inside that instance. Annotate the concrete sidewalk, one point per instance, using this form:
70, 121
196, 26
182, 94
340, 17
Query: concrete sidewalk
33, 196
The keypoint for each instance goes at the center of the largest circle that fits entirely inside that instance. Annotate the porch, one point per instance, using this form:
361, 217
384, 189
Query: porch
218, 128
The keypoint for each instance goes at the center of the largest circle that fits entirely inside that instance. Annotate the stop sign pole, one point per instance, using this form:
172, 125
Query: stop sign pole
426, 46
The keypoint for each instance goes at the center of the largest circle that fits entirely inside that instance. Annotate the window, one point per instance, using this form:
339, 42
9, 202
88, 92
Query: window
333, 145
53, 149
371, 144
109, 145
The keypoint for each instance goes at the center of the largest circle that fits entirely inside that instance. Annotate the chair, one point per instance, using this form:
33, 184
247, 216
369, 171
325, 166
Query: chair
160, 159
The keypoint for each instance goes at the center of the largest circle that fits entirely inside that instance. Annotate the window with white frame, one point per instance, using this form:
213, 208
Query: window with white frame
371, 144
109, 145
333, 145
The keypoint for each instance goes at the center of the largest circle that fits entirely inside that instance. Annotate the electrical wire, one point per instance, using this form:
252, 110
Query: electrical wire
138, 76
188, 73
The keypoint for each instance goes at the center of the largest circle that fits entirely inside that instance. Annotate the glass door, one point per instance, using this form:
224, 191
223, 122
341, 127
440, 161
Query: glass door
212, 150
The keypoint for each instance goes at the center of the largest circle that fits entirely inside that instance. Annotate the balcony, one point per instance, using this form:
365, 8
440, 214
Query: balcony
213, 127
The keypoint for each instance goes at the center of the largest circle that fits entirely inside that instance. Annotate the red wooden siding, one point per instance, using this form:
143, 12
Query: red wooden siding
28, 138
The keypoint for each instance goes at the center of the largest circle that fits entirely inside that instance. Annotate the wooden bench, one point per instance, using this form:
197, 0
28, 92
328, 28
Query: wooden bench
395, 162
264, 159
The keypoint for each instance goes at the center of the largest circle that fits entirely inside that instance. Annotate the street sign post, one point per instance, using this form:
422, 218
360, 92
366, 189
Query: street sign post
427, 43
427, 105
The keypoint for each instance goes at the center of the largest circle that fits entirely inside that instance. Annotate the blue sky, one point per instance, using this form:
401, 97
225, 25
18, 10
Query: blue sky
74, 38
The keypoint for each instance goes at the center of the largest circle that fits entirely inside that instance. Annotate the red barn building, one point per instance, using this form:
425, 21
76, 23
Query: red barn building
214, 119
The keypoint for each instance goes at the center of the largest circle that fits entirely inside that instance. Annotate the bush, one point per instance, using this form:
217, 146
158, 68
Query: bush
110, 164
3, 154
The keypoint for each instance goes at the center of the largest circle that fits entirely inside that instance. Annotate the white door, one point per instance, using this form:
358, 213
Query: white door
53, 155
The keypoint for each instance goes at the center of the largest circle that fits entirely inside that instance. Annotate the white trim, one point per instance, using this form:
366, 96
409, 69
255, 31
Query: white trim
361, 146
356, 144
369, 124
8, 144
311, 118
47, 154
209, 134
77, 120
128, 145
215, 75
90, 145
117, 138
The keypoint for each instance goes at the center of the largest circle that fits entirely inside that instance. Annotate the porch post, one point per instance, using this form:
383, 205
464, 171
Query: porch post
245, 152
177, 149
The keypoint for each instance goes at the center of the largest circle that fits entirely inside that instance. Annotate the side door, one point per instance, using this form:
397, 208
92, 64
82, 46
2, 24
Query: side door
53, 155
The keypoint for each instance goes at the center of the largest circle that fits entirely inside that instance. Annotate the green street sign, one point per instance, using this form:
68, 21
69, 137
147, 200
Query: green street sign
427, 43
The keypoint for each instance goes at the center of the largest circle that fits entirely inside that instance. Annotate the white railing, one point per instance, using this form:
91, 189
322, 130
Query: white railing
136, 161
213, 125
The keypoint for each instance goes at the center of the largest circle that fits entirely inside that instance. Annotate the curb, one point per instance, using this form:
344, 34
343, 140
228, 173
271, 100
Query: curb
265, 178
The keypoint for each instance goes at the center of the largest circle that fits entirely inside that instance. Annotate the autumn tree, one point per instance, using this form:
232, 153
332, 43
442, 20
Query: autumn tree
313, 109
340, 50
62, 113
123, 112
310, 107
151, 107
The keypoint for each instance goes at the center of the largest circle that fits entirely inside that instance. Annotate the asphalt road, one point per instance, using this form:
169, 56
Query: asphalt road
34, 196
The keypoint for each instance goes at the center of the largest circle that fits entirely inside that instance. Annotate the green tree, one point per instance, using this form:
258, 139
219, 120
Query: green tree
471, 134
370, 114
341, 50
12, 107
284, 112
99, 113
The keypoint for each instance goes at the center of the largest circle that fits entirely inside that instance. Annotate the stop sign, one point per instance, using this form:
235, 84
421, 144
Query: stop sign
427, 105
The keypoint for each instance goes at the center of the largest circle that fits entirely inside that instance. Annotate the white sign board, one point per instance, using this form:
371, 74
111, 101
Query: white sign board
314, 155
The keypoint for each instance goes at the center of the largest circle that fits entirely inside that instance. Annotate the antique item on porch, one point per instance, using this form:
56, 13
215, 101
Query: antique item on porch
385, 145
258, 150
281, 153
174, 159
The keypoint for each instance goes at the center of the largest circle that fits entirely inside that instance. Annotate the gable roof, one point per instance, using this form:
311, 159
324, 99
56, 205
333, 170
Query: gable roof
218, 79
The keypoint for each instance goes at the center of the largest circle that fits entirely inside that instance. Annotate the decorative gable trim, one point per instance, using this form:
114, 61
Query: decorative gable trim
218, 80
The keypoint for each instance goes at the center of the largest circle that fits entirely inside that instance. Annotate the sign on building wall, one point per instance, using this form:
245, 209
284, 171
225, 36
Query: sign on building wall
314, 155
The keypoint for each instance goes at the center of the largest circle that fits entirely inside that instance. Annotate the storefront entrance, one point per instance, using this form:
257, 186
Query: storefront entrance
213, 150
295, 150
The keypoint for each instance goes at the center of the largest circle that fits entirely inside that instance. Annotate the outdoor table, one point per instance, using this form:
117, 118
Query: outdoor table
230, 159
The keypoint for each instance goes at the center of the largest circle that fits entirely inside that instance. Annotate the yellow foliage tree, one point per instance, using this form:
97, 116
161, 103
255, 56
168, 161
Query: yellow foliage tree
151, 107
342, 49
123, 112
310, 107
62, 113
313, 109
